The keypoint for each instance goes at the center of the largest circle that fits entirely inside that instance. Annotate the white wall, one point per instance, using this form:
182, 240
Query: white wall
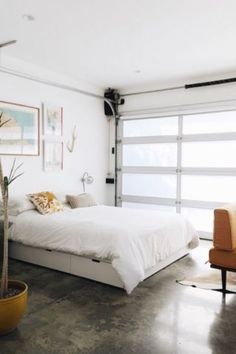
90, 152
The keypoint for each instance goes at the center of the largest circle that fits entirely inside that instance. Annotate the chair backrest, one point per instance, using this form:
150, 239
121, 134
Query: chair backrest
224, 236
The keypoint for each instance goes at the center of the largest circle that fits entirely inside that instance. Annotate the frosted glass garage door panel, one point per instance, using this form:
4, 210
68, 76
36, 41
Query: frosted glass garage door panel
147, 185
150, 155
209, 188
150, 127
210, 123
165, 208
209, 154
201, 219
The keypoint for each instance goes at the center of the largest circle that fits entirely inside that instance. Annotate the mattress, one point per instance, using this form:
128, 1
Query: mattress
133, 239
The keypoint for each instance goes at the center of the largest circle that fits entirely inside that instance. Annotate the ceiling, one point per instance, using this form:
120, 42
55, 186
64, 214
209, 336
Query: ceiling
124, 44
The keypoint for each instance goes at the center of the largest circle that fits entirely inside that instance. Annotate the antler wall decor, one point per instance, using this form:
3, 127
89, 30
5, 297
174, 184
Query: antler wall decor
71, 144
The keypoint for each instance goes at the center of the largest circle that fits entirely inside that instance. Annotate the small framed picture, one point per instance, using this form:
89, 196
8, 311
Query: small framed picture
52, 120
53, 156
19, 129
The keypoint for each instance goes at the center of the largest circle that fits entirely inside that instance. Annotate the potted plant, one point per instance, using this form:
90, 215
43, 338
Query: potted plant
13, 293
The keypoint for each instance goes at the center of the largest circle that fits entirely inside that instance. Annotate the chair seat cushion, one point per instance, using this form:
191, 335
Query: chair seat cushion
226, 259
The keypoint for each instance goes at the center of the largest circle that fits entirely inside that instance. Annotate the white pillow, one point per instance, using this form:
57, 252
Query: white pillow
17, 205
81, 201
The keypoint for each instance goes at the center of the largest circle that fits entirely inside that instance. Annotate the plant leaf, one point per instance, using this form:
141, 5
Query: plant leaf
17, 168
13, 179
13, 172
12, 169
1, 124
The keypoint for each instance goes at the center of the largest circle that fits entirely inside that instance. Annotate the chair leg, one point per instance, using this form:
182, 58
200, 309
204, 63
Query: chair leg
223, 278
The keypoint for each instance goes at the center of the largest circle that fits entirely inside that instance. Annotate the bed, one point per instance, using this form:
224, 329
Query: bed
116, 246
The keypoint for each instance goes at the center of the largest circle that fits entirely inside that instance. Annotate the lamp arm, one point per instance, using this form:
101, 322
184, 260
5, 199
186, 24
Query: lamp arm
83, 179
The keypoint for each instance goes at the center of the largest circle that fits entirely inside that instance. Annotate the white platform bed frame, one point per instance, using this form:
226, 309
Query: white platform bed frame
92, 268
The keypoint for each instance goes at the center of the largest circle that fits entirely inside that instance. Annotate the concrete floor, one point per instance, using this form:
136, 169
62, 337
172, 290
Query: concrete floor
68, 315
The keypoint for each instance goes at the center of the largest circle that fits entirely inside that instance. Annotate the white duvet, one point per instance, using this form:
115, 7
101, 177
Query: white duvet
133, 239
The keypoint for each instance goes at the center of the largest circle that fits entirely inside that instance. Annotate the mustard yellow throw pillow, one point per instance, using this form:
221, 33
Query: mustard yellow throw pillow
45, 202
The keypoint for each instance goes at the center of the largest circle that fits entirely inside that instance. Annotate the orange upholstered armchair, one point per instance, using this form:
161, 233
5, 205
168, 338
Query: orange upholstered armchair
223, 255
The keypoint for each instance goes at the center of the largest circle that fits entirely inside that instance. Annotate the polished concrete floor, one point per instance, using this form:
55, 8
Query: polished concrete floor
69, 315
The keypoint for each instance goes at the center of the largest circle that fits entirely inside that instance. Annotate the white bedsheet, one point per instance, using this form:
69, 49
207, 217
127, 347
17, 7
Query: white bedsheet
133, 239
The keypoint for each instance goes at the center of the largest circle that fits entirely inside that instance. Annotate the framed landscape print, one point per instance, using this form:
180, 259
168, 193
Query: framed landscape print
53, 156
52, 120
19, 129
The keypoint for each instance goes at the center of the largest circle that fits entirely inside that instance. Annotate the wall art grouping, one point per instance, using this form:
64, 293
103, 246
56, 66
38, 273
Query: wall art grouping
53, 137
53, 155
52, 120
20, 132
19, 129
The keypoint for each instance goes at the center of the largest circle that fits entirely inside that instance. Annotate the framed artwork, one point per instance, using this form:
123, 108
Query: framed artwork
19, 129
53, 155
52, 120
